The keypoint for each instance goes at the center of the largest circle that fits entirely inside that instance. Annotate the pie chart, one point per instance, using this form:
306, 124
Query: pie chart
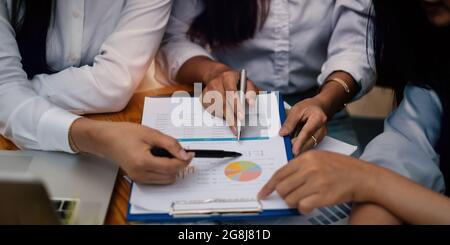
243, 171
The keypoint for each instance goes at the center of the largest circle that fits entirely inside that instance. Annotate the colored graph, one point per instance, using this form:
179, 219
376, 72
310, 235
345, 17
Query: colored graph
242, 171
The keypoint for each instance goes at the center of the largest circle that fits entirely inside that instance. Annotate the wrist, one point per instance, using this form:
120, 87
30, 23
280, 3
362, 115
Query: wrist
339, 88
215, 70
370, 178
325, 103
345, 81
73, 146
85, 135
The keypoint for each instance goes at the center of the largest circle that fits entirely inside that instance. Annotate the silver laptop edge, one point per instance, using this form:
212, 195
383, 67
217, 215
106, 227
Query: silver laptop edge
88, 179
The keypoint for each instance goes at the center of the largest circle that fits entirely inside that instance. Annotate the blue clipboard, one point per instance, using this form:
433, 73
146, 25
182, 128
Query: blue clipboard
148, 218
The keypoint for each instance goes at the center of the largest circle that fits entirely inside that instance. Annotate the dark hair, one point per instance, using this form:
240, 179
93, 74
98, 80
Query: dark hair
30, 20
227, 23
410, 49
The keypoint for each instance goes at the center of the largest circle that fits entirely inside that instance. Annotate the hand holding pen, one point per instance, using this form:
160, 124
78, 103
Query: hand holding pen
224, 80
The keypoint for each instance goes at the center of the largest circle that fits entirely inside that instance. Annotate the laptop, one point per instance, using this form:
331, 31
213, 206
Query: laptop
54, 188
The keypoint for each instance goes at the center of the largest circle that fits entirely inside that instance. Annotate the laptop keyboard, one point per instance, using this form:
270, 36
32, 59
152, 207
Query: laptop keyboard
65, 209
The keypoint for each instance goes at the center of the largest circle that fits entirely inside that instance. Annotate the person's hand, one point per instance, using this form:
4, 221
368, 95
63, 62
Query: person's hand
129, 145
309, 116
321, 179
219, 84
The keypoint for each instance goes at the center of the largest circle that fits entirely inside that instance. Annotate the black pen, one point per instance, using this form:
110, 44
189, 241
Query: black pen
158, 152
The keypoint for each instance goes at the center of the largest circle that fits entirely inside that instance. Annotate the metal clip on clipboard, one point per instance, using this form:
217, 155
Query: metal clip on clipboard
215, 207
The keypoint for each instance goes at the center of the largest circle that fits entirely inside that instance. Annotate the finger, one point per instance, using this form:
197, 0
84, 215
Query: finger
167, 166
281, 174
230, 118
217, 88
308, 204
210, 104
217, 109
293, 140
292, 120
310, 143
205, 103
251, 93
240, 107
162, 182
312, 125
293, 199
230, 85
296, 147
228, 113
170, 144
267, 189
308, 130
290, 184
155, 179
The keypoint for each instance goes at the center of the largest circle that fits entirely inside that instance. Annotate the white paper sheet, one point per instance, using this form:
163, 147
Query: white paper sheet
240, 178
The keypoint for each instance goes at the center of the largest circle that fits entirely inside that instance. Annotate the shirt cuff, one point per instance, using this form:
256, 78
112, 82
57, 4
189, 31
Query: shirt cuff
364, 76
53, 130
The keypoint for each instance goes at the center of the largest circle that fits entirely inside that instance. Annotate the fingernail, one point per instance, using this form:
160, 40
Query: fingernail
283, 132
183, 154
234, 130
259, 196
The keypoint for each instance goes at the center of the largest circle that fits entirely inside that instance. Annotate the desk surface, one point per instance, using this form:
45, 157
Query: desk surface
132, 113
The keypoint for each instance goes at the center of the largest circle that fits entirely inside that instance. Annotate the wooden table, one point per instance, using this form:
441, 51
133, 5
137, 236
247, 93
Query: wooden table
132, 113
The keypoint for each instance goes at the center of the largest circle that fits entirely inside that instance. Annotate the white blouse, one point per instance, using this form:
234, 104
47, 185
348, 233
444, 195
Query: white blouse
99, 50
300, 45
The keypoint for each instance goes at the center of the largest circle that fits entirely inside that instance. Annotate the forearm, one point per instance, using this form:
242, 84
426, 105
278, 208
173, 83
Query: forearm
120, 63
85, 134
372, 214
200, 69
409, 201
333, 96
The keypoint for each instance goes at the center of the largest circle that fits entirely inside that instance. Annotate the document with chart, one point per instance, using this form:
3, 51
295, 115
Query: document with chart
214, 186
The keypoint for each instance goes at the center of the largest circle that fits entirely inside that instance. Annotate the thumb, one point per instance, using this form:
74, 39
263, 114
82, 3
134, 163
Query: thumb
171, 145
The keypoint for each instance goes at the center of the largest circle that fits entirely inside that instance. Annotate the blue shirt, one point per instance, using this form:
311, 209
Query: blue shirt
411, 134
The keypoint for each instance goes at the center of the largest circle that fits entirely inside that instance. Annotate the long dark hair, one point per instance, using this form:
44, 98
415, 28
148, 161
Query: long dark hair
227, 23
30, 20
410, 49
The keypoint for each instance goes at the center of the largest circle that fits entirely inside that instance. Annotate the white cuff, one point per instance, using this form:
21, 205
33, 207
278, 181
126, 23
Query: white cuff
53, 130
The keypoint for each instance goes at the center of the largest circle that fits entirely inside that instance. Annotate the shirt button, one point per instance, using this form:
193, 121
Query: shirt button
76, 14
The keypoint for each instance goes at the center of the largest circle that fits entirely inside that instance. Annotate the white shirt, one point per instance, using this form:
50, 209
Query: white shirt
300, 45
410, 136
100, 51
